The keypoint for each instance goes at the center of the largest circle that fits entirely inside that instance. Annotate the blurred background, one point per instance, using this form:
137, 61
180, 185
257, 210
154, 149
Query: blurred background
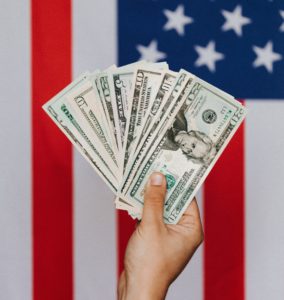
60, 235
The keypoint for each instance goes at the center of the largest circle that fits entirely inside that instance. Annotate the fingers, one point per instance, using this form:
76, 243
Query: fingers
191, 218
191, 215
154, 199
193, 209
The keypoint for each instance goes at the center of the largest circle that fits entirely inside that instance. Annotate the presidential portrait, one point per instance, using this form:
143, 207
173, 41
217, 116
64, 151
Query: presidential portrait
195, 145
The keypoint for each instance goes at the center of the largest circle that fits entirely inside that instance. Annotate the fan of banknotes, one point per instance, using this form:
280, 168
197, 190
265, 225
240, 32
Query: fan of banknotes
130, 121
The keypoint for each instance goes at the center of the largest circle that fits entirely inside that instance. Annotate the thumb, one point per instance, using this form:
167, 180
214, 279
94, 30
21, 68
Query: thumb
154, 199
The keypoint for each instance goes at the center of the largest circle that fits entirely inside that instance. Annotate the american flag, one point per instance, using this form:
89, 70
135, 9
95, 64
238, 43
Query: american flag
61, 237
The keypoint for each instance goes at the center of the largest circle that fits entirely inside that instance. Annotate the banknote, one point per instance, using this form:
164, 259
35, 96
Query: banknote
179, 88
87, 106
104, 119
60, 114
130, 121
120, 82
162, 94
115, 109
103, 87
145, 85
161, 117
198, 130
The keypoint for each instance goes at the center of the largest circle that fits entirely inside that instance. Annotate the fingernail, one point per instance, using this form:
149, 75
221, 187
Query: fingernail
156, 179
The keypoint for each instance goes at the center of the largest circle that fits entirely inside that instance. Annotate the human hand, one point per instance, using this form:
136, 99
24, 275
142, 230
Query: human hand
156, 252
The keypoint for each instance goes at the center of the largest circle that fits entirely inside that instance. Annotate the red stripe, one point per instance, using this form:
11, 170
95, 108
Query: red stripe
125, 228
52, 154
224, 215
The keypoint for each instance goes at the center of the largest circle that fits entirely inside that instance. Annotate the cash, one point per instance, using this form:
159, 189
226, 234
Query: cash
130, 121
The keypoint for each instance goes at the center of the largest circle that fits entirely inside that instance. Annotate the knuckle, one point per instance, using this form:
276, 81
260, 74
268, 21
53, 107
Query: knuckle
156, 197
155, 204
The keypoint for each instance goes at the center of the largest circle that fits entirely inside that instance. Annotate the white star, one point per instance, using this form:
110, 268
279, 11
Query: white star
177, 20
208, 56
151, 53
266, 57
282, 15
235, 20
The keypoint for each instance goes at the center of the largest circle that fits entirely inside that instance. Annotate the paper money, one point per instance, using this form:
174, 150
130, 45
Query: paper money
103, 87
130, 121
162, 94
120, 83
59, 113
175, 94
185, 151
85, 104
145, 85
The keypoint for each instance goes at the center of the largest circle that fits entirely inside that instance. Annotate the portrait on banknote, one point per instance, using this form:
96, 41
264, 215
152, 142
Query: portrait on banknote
195, 145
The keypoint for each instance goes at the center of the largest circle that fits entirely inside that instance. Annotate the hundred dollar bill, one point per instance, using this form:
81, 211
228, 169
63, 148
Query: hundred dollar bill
161, 118
86, 105
185, 151
60, 114
145, 85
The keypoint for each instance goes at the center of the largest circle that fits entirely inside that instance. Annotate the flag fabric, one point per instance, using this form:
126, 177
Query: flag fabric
61, 237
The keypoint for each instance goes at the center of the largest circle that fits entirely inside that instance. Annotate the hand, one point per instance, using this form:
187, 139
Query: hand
157, 253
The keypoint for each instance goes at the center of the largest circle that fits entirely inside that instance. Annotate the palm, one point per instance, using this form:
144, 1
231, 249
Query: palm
158, 252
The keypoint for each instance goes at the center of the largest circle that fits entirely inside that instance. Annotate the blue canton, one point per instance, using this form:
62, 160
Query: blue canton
236, 45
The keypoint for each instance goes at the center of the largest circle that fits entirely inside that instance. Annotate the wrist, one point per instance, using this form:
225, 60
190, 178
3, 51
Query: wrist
131, 287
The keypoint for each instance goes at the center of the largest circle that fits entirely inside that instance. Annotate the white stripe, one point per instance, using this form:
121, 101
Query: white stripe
94, 46
189, 285
15, 161
265, 200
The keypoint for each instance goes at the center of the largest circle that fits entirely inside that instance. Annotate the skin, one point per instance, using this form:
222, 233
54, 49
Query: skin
157, 253
192, 145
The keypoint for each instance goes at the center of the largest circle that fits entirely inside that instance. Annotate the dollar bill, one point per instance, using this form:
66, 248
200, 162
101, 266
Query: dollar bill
103, 110
185, 151
162, 94
89, 136
59, 113
94, 78
145, 85
130, 121
120, 82
103, 87
121, 204
86, 105
175, 94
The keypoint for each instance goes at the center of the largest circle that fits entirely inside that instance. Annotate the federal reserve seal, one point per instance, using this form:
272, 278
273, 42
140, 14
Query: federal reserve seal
170, 181
209, 116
